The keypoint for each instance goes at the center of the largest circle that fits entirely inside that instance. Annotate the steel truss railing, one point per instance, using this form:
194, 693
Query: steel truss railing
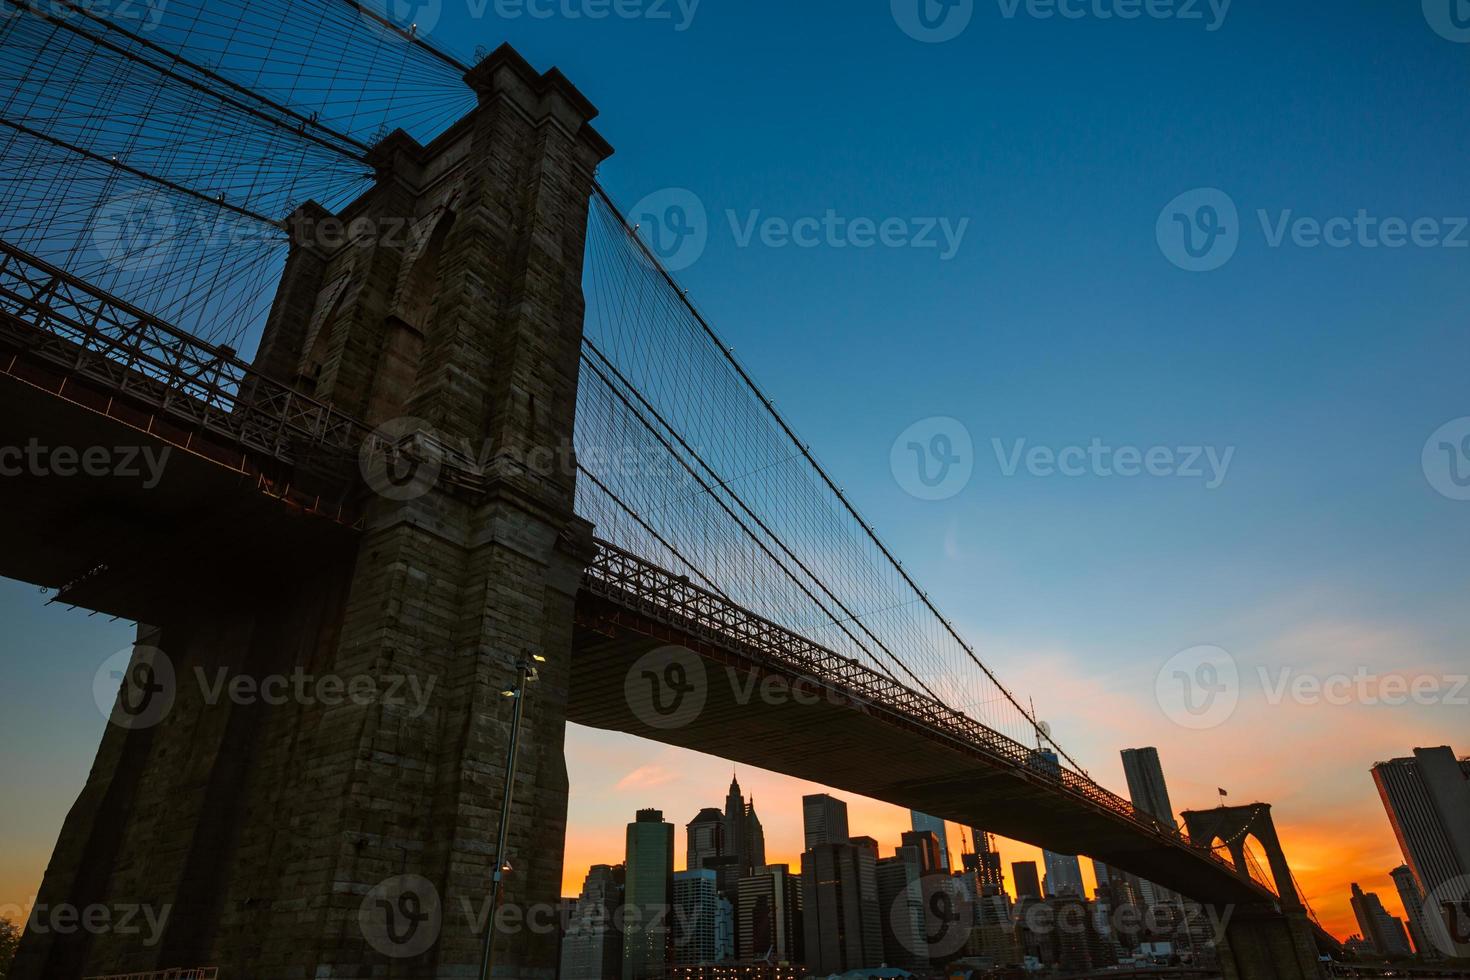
84, 331
634, 583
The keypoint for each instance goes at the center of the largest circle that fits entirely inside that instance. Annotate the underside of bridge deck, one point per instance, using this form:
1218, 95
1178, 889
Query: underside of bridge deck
765, 716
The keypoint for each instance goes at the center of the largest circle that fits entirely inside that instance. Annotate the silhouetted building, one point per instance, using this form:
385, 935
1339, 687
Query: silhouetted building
1385, 931
902, 907
1413, 902
935, 825
1028, 885
592, 948
1149, 793
1063, 871
824, 820
986, 862
926, 847
647, 896
770, 915
1427, 798
1081, 948
706, 836
839, 892
696, 918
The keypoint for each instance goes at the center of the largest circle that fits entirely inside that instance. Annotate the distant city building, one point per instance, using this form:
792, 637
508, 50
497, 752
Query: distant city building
770, 916
745, 840
824, 820
987, 863
725, 931
592, 948
647, 895
706, 838
1028, 884
1149, 793
1384, 931
839, 892
696, 915
1427, 798
1080, 947
1413, 901
902, 906
926, 848
1063, 875
935, 825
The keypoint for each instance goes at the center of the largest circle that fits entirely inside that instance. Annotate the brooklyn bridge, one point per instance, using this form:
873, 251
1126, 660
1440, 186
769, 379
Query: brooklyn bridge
482, 427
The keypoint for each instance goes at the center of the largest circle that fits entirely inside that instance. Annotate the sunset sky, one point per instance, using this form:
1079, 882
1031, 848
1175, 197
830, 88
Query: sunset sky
1325, 550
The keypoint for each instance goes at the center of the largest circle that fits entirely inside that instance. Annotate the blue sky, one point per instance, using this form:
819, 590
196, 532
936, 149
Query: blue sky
1058, 320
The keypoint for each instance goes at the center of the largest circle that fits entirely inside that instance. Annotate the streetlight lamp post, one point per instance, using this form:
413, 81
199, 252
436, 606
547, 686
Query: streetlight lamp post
525, 675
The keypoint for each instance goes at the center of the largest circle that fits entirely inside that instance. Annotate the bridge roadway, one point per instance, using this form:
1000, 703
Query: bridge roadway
249, 462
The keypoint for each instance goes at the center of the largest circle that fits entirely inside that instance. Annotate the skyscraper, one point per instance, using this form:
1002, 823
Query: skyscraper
839, 898
1384, 931
696, 918
770, 916
1413, 902
824, 820
1028, 885
1150, 794
647, 895
1063, 875
925, 850
1427, 798
706, 833
744, 836
987, 864
901, 902
1146, 787
935, 825
592, 948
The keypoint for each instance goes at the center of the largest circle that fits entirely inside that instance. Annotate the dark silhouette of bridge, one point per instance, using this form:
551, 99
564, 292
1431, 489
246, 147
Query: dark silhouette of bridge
388, 487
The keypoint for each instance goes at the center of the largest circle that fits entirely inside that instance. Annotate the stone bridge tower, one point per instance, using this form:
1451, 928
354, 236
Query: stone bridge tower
348, 828
1259, 943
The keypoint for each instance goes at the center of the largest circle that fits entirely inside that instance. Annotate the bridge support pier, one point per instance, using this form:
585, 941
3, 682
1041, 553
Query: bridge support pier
1267, 944
305, 777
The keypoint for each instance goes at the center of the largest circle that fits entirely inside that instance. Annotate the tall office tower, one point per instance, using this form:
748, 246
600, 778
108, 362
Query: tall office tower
1149, 793
1063, 875
696, 912
771, 915
901, 900
987, 861
1080, 947
1384, 931
839, 899
1146, 787
646, 896
926, 847
1028, 885
755, 838
706, 834
1413, 902
1427, 798
725, 931
592, 948
823, 819
935, 825
735, 826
